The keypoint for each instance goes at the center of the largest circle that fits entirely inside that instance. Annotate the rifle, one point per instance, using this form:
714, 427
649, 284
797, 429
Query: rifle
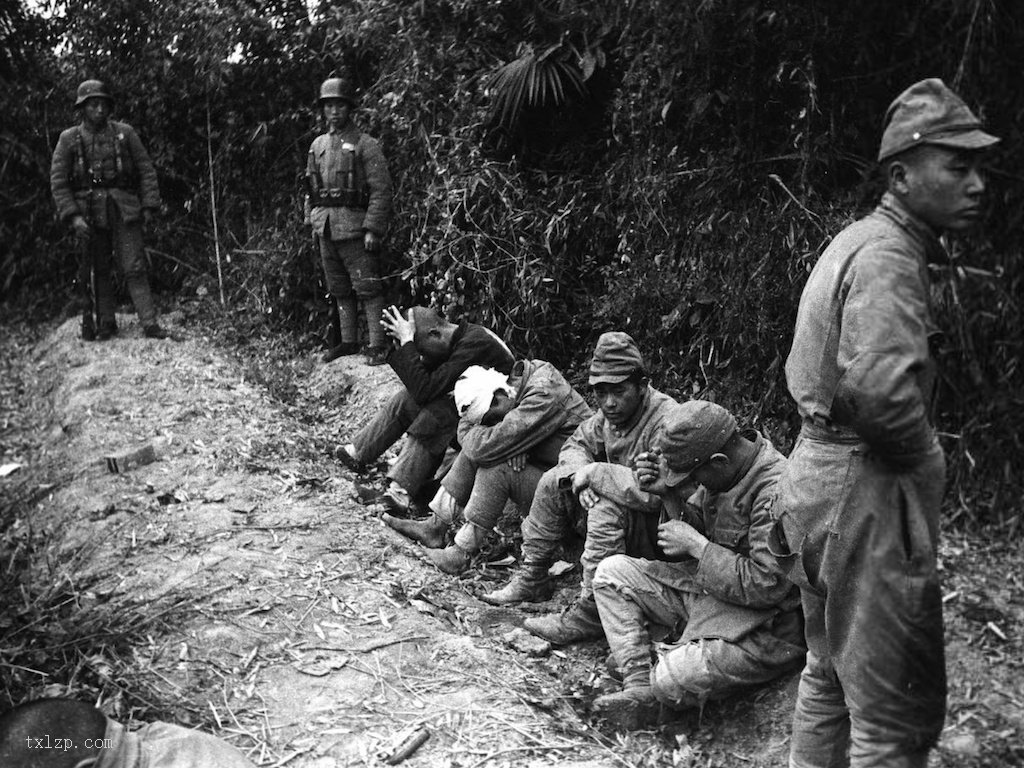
84, 290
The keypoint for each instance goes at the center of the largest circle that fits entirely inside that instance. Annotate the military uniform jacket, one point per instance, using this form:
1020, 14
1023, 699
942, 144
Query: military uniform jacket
595, 440
860, 357
742, 588
471, 345
163, 745
330, 158
547, 411
83, 185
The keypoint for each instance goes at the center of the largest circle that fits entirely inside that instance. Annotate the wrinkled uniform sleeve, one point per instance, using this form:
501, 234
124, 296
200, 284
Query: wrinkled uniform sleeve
61, 169
584, 446
883, 349
149, 189
618, 484
747, 578
538, 415
378, 210
427, 384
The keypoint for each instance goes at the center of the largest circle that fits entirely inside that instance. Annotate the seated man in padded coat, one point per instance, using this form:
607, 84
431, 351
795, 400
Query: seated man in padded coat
510, 430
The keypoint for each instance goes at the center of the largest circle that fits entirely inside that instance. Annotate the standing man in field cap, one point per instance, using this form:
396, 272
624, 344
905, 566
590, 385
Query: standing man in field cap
858, 504
348, 205
105, 187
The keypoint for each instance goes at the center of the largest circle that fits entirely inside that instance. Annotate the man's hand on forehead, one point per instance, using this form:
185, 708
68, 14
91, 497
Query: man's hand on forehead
401, 329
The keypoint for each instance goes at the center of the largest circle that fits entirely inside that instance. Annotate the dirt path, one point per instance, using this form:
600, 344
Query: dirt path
295, 623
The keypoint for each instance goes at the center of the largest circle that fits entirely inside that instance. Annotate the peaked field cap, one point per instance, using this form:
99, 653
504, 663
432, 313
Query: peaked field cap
692, 433
928, 112
616, 358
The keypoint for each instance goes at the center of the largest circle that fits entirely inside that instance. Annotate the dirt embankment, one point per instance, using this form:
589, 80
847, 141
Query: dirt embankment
281, 613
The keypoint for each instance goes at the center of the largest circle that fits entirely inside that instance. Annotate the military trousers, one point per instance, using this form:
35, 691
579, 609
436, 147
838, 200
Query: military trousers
429, 430
483, 493
351, 271
858, 535
610, 529
123, 241
643, 601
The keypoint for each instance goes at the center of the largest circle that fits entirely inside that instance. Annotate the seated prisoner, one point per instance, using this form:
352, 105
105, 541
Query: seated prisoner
63, 733
630, 415
428, 354
740, 620
510, 430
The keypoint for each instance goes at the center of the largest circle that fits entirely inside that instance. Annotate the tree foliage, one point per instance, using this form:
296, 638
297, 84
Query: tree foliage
562, 167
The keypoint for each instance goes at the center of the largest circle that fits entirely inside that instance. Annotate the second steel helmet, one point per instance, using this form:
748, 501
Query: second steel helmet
92, 89
337, 88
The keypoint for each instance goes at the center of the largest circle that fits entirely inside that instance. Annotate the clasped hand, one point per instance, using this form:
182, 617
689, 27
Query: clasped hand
678, 538
647, 468
581, 486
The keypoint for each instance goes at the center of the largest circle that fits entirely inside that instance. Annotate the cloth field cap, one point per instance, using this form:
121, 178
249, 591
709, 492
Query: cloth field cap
691, 434
475, 389
928, 112
92, 89
616, 358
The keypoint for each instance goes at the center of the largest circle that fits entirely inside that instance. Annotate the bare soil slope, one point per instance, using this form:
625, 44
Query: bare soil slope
262, 601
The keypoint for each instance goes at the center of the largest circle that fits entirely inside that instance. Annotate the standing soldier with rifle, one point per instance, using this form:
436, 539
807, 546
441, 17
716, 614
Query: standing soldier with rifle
348, 205
104, 185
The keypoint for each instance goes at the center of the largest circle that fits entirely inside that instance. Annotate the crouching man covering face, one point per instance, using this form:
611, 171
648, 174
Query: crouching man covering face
511, 430
740, 620
428, 354
63, 733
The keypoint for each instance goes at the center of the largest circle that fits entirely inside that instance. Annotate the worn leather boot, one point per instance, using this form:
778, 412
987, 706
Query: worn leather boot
530, 584
453, 559
630, 709
343, 349
429, 532
578, 622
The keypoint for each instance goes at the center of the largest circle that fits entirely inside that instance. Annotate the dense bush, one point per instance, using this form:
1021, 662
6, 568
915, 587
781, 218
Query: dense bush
562, 168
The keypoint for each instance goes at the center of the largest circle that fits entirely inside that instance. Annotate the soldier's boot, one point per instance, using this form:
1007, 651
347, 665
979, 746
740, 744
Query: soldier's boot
452, 559
575, 624
631, 709
530, 584
430, 532
341, 349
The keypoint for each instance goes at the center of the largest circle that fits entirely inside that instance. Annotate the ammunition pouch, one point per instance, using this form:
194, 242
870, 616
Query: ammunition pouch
340, 198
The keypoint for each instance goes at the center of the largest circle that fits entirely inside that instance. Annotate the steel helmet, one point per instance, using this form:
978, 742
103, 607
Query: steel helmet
92, 89
337, 88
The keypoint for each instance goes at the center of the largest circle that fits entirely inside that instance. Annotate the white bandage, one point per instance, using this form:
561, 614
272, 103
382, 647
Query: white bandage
475, 389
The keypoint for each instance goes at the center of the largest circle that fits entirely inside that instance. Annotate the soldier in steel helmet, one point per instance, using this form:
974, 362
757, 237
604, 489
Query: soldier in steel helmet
858, 503
105, 188
349, 206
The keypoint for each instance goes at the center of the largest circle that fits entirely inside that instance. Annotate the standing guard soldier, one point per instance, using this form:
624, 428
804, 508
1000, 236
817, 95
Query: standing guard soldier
349, 205
104, 185
858, 503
